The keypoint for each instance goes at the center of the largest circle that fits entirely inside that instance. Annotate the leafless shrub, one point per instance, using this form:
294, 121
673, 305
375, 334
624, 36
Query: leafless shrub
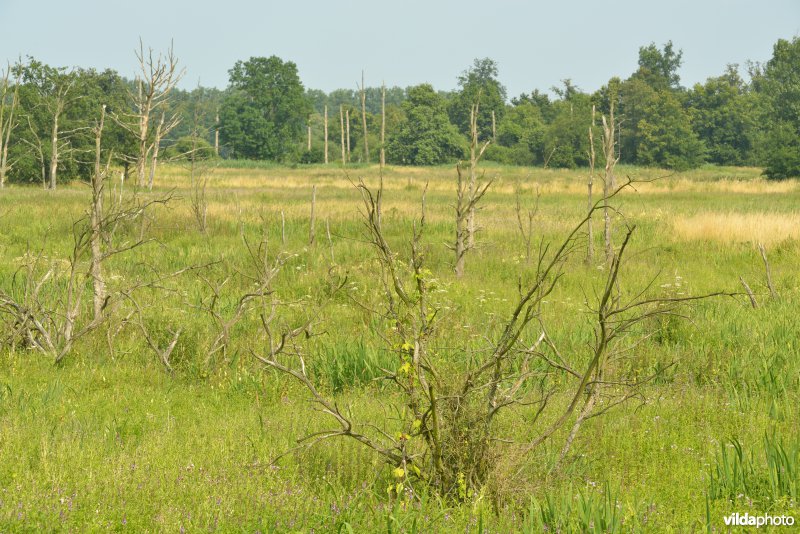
448, 400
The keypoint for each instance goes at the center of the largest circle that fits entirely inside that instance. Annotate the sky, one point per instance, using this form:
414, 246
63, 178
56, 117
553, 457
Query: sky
536, 44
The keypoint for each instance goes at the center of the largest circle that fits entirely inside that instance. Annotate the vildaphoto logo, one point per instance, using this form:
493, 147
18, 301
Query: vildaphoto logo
747, 520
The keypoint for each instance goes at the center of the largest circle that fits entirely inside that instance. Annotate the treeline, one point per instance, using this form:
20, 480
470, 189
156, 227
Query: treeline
47, 114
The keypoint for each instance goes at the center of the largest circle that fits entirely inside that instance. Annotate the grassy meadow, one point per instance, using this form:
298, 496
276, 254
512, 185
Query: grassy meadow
110, 441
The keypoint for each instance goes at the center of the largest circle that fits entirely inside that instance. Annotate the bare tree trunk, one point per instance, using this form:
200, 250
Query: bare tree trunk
589, 185
6, 123
95, 270
54, 144
461, 232
325, 132
308, 144
609, 150
750, 294
341, 132
383, 124
311, 228
494, 128
347, 125
763, 252
158, 77
216, 133
473, 164
144, 127
156, 145
364, 117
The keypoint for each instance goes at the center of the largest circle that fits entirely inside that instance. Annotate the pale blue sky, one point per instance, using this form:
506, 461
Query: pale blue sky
536, 43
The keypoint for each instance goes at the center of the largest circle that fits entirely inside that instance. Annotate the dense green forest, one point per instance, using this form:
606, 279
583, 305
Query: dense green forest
266, 113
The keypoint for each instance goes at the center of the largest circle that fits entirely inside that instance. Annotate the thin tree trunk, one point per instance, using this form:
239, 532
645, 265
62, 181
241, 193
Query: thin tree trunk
308, 144
216, 133
95, 269
609, 141
6, 125
325, 132
341, 133
144, 124
750, 294
156, 145
383, 124
347, 125
494, 128
54, 147
473, 163
763, 252
364, 117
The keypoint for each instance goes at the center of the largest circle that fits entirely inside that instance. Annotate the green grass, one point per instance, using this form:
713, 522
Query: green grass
109, 441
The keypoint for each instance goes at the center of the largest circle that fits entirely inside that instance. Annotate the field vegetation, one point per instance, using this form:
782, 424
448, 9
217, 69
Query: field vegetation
162, 417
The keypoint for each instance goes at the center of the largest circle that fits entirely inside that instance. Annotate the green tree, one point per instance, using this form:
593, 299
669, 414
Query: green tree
566, 141
659, 68
425, 136
723, 118
520, 136
479, 82
779, 87
667, 138
265, 111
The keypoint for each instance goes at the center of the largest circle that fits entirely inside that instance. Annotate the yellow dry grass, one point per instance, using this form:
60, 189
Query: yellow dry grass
507, 179
760, 227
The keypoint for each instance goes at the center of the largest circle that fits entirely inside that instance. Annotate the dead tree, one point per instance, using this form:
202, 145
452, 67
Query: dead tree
199, 171
258, 274
525, 225
216, 133
383, 124
8, 120
341, 132
763, 251
363, 92
347, 125
325, 133
749, 292
55, 97
475, 155
158, 76
611, 157
161, 130
466, 200
589, 185
468, 194
98, 182
445, 436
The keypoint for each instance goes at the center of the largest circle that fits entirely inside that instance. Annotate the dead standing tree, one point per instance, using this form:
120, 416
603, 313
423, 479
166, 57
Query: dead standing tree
9, 99
46, 304
525, 225
589, 185
609, 185
157, 77
468, 194
363, 92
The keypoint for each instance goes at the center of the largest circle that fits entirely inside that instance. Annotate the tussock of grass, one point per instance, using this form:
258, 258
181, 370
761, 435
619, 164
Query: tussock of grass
764, 227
